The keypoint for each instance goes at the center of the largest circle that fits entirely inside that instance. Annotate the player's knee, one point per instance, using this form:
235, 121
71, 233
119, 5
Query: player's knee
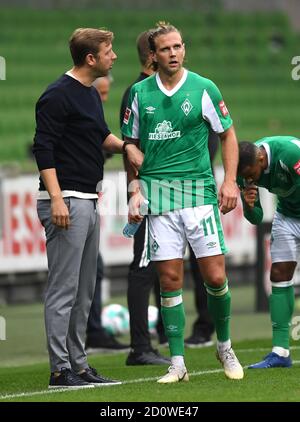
170, 281
279, 276
281, 273
215, 280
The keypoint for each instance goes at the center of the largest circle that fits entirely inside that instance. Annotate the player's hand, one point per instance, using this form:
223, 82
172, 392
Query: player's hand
60, 213
250, 193
134, 207
228, 195
135, 157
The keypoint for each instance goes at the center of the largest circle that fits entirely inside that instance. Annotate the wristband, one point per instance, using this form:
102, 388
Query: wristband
125, 143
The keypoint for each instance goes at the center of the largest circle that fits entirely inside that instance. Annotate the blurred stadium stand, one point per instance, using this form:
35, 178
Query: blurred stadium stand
248, 55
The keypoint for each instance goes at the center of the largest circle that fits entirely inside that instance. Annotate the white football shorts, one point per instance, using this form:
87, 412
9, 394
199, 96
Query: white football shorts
200, 226
285, 238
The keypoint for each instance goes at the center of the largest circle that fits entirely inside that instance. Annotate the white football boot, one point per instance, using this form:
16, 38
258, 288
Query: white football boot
174, 374
231, 364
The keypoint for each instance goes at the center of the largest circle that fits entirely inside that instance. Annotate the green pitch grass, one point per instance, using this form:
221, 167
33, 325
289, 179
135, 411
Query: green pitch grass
25, 334
207, 380
24, 372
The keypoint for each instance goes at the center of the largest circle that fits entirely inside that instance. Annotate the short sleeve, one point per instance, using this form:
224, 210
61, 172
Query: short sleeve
130, 126
214, 109
291, 158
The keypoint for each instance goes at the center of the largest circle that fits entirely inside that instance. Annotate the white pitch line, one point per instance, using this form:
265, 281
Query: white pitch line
191, 374
261, 349
136, 381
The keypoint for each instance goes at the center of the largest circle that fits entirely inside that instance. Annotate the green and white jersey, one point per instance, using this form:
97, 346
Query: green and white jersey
172, 127
282, 176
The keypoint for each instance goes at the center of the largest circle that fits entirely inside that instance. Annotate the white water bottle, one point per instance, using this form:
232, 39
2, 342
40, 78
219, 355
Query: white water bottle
131, 228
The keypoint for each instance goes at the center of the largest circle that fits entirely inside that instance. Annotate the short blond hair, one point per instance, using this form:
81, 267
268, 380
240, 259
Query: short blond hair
85, 41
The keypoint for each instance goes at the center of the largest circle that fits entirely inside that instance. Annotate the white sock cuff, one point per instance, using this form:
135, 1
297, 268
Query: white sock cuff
282, 283
281, 351
223, 345
169, 302
178, 361
217, 293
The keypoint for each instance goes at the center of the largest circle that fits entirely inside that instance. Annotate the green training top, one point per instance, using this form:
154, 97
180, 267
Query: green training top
282, 176
172, 127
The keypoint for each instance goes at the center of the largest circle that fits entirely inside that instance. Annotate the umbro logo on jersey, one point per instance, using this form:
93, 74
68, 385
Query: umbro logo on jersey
150, 109
127, 115
186, 106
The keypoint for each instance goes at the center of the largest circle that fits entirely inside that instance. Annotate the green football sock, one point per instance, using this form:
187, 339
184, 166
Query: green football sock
281, 302
173, 317
219, 301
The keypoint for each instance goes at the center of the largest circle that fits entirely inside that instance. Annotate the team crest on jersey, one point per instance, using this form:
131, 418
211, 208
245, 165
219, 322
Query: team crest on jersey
297, 167
223, 108
127, 115
186, 106
164, 130
282, 177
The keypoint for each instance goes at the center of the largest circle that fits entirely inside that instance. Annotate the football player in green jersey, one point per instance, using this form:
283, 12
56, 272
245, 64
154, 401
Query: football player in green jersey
168, 115
274, 163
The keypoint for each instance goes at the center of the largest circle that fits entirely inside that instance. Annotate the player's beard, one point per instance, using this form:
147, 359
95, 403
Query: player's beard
99, 73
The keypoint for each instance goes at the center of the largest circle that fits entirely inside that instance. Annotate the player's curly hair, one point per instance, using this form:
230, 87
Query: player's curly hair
161, 28
247, 155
